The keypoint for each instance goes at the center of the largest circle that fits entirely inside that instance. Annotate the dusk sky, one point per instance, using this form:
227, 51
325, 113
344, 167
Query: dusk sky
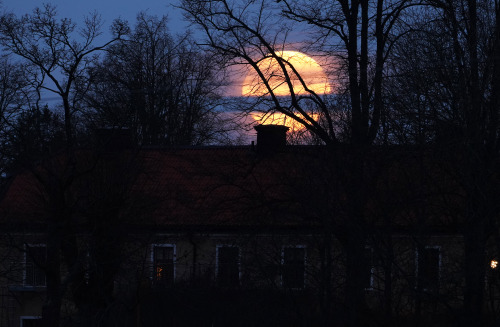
109, 9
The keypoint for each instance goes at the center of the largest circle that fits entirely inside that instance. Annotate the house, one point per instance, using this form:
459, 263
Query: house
224, 236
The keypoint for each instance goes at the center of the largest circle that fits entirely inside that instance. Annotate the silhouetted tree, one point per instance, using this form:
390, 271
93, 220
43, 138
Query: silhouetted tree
56, 53
361, 36
161, 86
33, 135
445, 92
50, 46
16, 95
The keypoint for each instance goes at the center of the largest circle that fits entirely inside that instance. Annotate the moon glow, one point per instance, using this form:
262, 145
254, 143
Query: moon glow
307, 68
278, 118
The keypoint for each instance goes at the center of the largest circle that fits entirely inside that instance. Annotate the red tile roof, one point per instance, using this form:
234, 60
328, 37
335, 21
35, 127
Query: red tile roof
218, 187
229, 187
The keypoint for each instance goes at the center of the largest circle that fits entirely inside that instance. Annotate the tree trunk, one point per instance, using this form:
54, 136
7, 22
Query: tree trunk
355, 292
474, 275
478, 209
51, 310
67, 122
476, 181
355, 237
326, 277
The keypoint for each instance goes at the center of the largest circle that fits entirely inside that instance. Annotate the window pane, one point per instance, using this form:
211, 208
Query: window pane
228, 266
35, 260
368, 267
428, 268
31, 322
293, 267
163, 257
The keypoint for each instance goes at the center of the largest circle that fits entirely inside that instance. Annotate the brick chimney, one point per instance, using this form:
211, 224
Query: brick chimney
271, 138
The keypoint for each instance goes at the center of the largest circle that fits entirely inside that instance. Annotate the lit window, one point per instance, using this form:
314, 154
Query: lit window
293, 273
429, 260
34, 263
163, 258
494, 264
227, 268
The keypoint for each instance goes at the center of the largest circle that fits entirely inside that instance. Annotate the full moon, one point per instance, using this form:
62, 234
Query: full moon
307, 68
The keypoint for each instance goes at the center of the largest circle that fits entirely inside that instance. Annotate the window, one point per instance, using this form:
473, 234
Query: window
368, 278
31, 321
228, 266
293, 261
428, 264
34, 262
163, 258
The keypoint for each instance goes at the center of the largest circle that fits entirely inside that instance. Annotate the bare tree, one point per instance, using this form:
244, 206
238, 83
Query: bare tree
15, 97
160, 85
56, 52
52, 47
360, 35
448, 68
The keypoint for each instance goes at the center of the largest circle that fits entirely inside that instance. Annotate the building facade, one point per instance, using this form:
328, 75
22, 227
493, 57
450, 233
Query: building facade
226, 236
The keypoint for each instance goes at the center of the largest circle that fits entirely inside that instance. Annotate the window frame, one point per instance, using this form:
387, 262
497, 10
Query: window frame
417, 268
282, 282
370, 263
217, 262
25, 265
23, 318
174, 259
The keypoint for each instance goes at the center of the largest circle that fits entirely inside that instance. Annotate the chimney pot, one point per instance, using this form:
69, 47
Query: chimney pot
271, 138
